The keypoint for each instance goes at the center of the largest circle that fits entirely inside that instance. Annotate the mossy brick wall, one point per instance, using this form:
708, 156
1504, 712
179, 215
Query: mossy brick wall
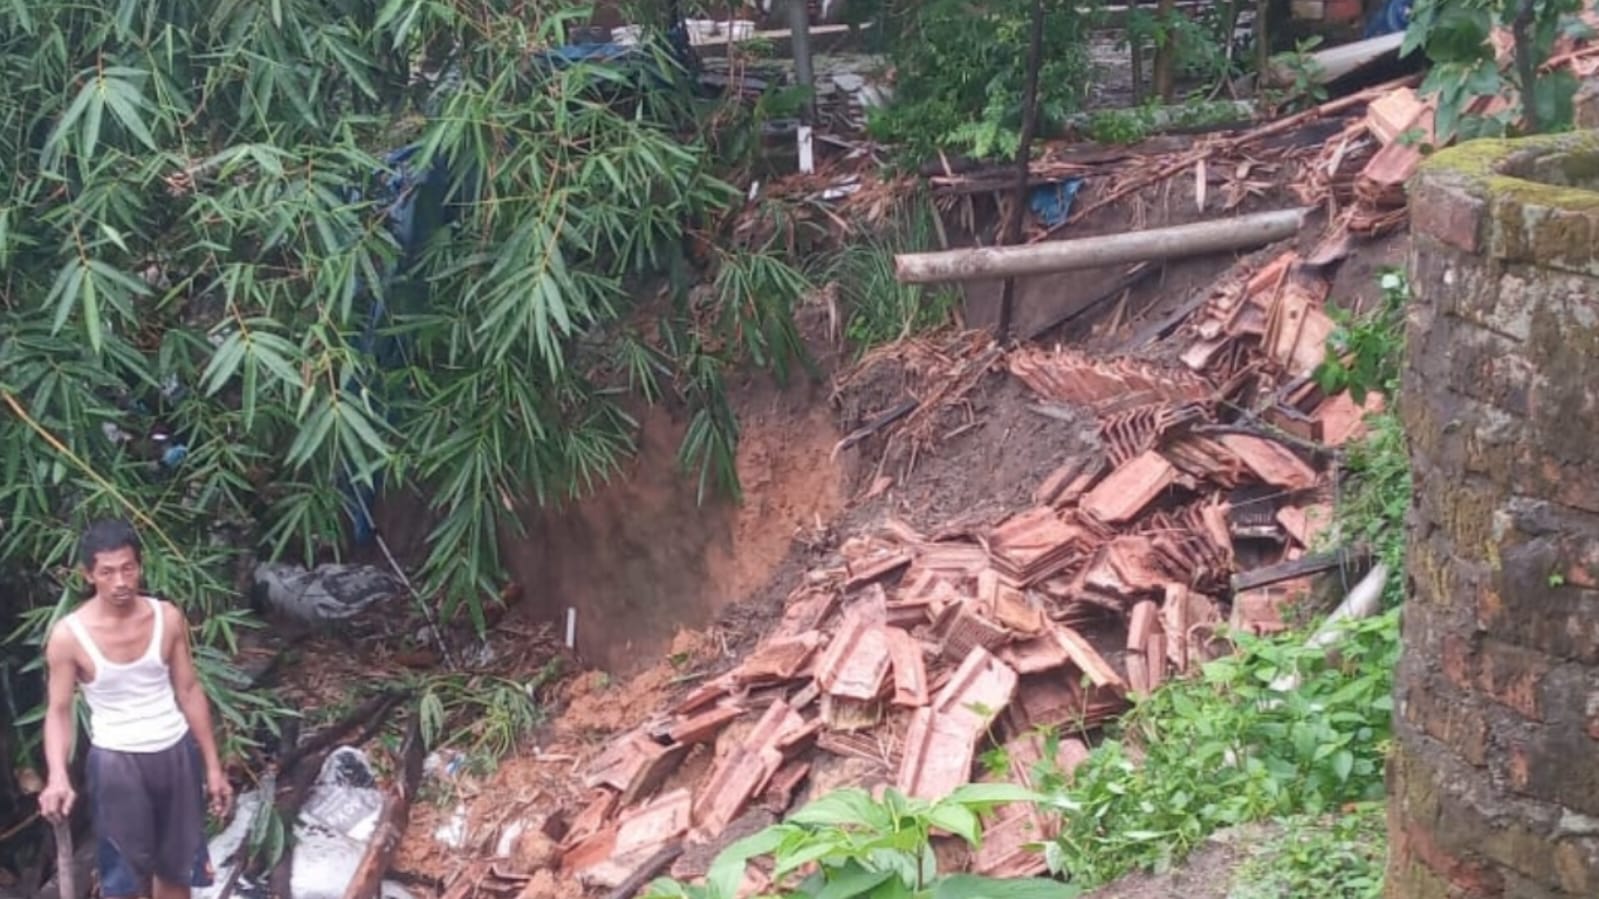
1494, 778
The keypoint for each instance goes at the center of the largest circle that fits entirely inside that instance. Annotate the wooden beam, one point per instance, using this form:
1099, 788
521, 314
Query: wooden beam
975, 263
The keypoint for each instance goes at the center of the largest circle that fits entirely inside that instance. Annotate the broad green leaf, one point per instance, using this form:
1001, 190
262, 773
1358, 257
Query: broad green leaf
972, 886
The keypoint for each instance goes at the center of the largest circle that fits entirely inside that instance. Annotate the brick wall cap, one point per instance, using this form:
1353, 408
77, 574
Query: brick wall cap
1532, 200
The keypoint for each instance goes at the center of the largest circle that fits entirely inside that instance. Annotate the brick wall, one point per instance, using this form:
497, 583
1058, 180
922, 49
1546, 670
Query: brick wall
1494, 781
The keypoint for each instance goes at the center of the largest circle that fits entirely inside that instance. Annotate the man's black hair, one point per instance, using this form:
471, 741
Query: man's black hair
107, 535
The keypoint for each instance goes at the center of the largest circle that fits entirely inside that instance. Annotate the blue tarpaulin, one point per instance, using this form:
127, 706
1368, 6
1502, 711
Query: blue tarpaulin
1393, 16
1052, 203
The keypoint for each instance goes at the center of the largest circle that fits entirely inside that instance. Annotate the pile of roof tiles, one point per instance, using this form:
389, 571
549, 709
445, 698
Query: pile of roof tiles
921, 650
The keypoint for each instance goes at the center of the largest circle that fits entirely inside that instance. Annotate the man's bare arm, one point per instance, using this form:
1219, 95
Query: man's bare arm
196, 709
62, 673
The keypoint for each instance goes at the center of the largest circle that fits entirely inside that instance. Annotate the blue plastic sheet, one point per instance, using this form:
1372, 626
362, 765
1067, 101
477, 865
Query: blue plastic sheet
1052, 203
1393, 16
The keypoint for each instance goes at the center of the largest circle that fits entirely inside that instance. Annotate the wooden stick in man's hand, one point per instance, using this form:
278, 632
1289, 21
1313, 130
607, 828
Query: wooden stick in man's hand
66, 885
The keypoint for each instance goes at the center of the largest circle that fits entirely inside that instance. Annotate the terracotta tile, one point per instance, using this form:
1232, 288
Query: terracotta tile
1005, 849
1088, 660
777, 660
869, 570
704, 727
744, 771
634, 765
938, 756
1070, 481
1271, 461
978, 691
1305, 523
1129, 489
855, 664
910, 671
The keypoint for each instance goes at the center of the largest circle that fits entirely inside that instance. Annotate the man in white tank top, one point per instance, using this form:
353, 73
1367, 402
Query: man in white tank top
152, 758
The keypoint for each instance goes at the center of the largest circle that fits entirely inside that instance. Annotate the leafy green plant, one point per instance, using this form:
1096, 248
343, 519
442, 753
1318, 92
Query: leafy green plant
1364, 355
846, 845
1330, 857
1364, 352
878, 308
1454, 34
958, 75
486, 717
1305, 85
1226, 748
199, 253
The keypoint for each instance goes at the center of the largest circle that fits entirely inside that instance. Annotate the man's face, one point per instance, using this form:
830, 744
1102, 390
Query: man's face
115, 574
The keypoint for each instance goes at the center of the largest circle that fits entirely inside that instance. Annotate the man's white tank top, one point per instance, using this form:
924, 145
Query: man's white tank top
131, 706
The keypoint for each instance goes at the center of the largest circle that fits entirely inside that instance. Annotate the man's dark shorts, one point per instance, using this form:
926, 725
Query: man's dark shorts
149, 812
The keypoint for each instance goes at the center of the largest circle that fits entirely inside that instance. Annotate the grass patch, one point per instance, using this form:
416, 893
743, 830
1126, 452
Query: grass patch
1333, 857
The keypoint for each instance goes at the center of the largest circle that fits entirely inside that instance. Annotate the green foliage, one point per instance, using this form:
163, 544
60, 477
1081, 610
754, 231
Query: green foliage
1454, 36
959, 70
1227, 748
184, 250
1363, 355
485, 717
847, 845
1305, 85
1198, 39
1364, 352
877, 307
1332, 857
1131, 125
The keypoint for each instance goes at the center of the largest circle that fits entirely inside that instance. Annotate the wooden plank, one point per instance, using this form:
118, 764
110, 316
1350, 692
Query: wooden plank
1353, 557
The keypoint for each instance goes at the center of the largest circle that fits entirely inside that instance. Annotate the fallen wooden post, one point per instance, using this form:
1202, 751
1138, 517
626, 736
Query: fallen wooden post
1155, 244
1313, 564
392, 821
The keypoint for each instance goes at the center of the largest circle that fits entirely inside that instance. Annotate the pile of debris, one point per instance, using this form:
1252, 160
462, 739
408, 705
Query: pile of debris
920, 649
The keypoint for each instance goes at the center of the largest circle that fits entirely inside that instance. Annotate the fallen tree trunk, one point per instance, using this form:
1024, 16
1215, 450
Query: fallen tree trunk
1198, 239
392, 821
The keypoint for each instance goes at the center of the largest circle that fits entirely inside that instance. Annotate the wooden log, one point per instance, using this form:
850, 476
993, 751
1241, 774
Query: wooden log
304, 762
976, 263
375, 708
1334, 63
1312, 564
392, 821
